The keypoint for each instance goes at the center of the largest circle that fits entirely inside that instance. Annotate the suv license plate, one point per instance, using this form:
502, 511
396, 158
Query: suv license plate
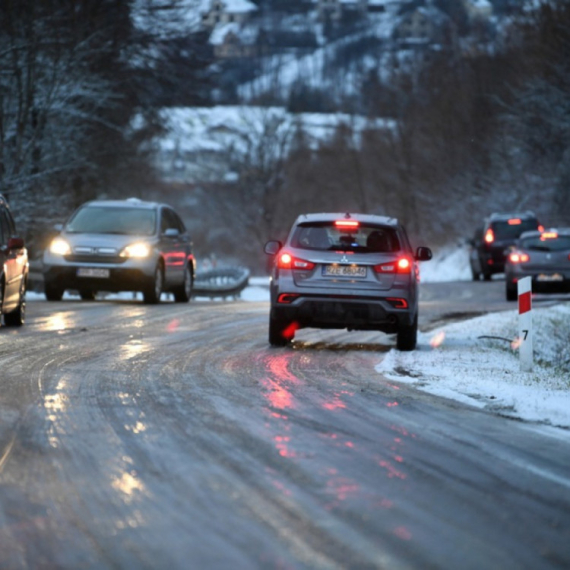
344, 271
547, 278
93, 272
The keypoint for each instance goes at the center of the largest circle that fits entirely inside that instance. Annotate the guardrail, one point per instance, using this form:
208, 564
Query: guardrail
214, 283
222, 282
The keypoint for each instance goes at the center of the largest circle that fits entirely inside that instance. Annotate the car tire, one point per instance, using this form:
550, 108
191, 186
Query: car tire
53, 292
277, 328
486, 275
475, 275
407, 336
18, 317
183, 293
511, 293
87, 294
153, 290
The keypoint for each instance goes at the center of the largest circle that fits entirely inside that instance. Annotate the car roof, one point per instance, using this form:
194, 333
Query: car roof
535, 233
331, 217
505, 216
128, 203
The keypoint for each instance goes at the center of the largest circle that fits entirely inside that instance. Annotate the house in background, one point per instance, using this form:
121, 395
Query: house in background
424, 26
233, 40
228, 12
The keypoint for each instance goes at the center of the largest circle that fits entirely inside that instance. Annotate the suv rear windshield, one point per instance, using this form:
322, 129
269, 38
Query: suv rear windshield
506, 230
560, 243
364, 238
112, 220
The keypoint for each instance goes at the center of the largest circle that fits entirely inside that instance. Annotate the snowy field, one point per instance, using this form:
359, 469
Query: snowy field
458, 362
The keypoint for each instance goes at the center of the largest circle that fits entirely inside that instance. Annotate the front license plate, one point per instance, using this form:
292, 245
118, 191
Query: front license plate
344, 271
549, 278
93, 272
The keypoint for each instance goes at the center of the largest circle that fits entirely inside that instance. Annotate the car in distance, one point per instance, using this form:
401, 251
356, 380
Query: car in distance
121, 245
542, 256
352, 271
492, 240
14, 270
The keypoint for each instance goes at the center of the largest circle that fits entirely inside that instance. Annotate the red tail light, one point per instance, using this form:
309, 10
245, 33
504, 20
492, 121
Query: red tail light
518, 257
287, 261
402, 266
514, 222
346, 224
489, 236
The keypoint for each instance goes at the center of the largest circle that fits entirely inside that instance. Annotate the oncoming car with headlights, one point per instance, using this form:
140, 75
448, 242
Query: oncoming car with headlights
351, 271
121, 245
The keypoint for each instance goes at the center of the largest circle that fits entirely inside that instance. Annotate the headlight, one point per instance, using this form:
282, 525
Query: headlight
136, 250
59, 246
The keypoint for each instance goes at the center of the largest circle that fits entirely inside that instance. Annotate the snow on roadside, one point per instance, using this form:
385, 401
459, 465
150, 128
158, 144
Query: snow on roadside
460, 362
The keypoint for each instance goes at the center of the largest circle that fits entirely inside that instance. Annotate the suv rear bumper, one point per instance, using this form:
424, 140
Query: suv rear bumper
354, 313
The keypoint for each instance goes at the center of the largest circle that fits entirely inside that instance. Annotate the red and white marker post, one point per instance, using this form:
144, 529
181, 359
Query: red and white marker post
524, 288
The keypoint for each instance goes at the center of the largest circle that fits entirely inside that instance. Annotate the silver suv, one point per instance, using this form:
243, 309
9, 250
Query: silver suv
121, 245
351, 271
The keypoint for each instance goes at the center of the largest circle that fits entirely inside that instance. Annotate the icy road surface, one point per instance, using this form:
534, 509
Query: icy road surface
172, 436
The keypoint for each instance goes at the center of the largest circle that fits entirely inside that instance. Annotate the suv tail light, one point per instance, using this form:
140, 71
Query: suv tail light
346, 224
518, 257
401, 266
489, 236
287, 261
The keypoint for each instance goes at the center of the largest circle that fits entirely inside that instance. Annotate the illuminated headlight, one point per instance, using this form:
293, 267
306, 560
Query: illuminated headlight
136, 250
59, 246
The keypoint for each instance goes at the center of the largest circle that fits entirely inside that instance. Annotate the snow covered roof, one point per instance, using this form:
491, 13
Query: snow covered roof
238, 6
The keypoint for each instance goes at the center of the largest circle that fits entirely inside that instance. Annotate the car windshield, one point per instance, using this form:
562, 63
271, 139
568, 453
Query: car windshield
506, 230
113, 220
560, 243
363, 238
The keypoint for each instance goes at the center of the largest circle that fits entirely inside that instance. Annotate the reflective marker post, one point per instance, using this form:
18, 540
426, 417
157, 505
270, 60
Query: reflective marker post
524, 287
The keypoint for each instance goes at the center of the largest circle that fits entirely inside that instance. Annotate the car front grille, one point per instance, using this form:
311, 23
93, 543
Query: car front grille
87, 258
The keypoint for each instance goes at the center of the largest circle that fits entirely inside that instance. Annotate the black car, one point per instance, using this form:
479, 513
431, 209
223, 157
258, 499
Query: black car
14, 269
542, 256
121, 245
352, 271
492, 240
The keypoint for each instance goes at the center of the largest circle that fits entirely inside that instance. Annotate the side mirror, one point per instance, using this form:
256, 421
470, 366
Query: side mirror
15, 243
423, 254
58, 227
272, 247
171, 233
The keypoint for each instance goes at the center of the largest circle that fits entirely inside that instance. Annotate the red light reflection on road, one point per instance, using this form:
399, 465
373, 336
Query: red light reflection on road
403, 533
173, 325
391, 470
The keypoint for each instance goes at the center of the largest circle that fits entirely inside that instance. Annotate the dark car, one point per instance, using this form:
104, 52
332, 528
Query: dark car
492, 240
121, 245
543, 256
14, 269
351, 271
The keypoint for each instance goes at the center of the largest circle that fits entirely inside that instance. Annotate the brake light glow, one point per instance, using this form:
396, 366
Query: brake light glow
514, 222
518, 257
347, 224
287, 298
397, 303
548, 235
402, 266
489, 236
541, 228
287, 261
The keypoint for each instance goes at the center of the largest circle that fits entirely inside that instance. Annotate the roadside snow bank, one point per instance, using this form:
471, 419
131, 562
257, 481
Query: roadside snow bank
458, 362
